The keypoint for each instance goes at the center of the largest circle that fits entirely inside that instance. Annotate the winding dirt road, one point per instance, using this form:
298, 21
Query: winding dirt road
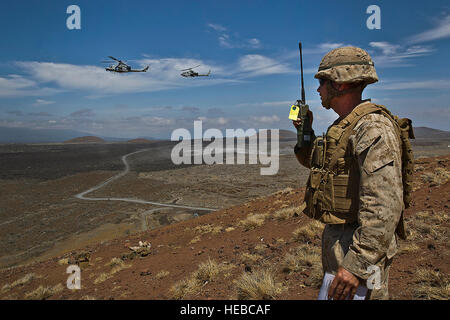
117, 176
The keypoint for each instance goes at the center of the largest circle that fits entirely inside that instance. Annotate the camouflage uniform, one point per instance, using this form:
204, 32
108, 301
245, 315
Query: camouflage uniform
372, 239
374, 150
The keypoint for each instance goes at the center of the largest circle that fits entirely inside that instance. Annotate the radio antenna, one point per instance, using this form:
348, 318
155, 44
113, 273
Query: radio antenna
301, 72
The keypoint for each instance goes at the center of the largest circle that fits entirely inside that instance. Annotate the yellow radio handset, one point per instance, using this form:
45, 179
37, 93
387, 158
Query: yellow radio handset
293, 115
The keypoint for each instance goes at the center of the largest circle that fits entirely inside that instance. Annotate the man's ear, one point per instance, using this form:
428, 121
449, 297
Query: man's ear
343, 86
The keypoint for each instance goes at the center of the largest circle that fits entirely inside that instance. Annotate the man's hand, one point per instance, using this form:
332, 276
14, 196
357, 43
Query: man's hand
344, 285
298, 122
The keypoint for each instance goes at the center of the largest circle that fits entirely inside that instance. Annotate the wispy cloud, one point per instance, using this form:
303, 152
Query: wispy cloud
386, 54
266, 119
217, 27
266, 103
39, 114
83, 113
440, 31
410, 85
190, 109
42, 102
211, 121
256, 65
18, 86
15, 113
164, 75
226, 40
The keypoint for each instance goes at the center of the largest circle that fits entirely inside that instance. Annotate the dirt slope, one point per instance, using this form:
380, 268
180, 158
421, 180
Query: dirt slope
262, 246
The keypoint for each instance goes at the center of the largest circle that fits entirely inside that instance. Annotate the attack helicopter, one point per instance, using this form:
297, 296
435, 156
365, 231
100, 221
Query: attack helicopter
191, 73
122, 67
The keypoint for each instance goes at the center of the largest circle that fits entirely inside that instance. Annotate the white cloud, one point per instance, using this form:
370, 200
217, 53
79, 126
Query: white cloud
164, 74
412, 85
83, 113
224, 41
19, 86
255, 65
386, 47
441, 31
265, 119
214, 121
254, 43
233, 41
217, 27
267, 103
394, 55
328, 46
42, 102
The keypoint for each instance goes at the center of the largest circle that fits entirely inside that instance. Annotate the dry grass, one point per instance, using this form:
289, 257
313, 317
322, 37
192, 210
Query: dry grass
409, 248
300, 258
117, 265
439, 177
308, 232
304, 258
260, 248
285, 213
429, 224
253, 221
248, 258
432, 217
258, 285
208, 228
42, 293
195, 240
20, 282
432, 285
287, 190
162, 274
207, 271
115, 262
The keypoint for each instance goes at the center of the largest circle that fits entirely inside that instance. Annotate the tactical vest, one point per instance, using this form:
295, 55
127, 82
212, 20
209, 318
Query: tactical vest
332, 193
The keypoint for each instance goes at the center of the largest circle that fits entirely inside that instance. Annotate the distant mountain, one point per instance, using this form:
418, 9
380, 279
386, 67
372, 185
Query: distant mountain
27, 135
140, 140
429, 133
284, 135
86, 139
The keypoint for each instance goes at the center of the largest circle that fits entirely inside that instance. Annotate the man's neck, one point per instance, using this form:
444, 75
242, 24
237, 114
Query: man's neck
346, 104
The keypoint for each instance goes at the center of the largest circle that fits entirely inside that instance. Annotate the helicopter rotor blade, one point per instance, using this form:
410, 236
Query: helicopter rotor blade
191, 68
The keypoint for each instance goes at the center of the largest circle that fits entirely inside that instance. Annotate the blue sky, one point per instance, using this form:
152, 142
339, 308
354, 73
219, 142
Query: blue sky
51, 77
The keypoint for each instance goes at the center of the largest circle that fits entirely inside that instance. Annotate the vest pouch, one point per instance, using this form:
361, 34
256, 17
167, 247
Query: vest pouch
317, 156
325, 197
310, 209
342, 194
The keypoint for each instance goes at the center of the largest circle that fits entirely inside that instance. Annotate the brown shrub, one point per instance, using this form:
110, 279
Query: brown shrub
259, 285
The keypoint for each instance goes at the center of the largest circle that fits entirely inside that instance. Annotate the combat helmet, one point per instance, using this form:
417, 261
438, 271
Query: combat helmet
347, 65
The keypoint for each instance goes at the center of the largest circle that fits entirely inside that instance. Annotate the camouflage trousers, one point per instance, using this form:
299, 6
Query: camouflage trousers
336, 239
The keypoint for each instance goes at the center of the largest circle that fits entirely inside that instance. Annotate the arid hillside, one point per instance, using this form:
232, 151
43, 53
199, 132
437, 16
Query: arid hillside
262, 249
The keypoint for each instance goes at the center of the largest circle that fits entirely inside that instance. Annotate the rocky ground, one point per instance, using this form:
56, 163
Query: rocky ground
262, 249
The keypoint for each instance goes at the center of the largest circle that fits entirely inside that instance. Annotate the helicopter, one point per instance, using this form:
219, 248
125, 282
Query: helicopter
191, 73
122, 67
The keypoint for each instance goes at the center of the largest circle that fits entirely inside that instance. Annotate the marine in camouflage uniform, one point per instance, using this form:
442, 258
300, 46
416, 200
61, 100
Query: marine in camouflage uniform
355, 186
